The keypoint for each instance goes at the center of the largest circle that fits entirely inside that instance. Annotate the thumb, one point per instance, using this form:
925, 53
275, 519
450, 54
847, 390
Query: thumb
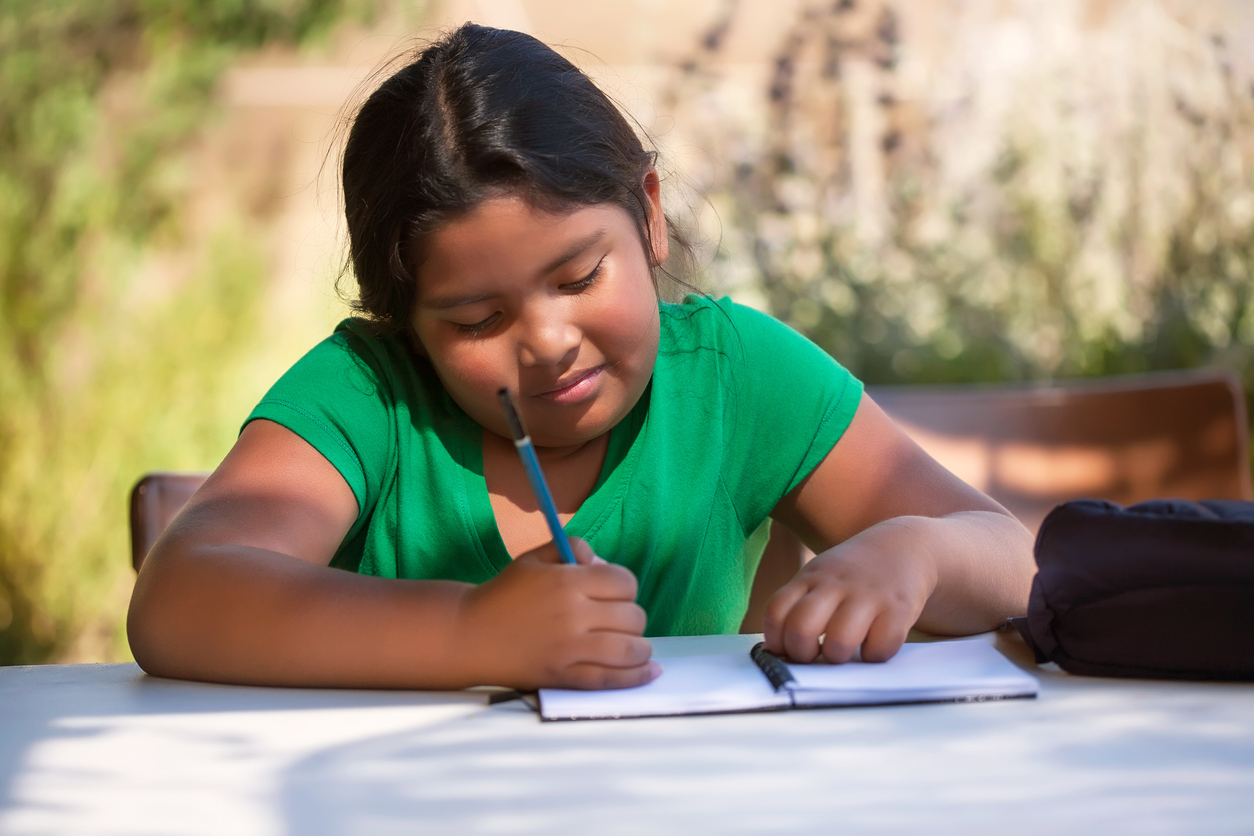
584, 554
548, 553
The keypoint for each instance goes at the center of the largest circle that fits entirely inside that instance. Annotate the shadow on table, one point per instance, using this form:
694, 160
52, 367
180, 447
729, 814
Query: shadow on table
1076, 756
1088, 753
43, 703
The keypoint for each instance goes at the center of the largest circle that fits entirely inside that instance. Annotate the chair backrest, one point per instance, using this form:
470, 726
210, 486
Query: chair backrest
155, 501
1125, 438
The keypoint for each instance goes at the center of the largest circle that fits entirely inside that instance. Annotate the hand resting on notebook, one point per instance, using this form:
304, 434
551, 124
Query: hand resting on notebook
902, 543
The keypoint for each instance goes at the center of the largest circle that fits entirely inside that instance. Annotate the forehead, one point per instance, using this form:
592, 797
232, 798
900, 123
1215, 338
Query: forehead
507, 237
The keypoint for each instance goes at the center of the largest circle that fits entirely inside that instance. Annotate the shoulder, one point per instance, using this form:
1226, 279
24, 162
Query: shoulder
355, 342
724, 351
351, 397
351, 387
354, 358
743, 381
737, 332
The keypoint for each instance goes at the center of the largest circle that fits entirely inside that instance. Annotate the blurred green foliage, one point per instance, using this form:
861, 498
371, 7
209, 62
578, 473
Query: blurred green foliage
1107, 228
108, 370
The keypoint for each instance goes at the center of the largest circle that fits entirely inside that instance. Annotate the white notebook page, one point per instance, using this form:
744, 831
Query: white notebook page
950, 670
947, 670
688, 685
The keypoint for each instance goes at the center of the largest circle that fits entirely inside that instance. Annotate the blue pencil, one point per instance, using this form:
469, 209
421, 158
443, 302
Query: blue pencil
527, 452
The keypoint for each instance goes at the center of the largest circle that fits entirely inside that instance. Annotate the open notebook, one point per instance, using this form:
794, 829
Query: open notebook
962, 670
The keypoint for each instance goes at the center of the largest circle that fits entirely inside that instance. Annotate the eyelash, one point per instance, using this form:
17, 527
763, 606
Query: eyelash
587, 281
477, 328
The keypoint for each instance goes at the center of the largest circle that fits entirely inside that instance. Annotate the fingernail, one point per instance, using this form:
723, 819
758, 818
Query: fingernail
655, 670
596, 559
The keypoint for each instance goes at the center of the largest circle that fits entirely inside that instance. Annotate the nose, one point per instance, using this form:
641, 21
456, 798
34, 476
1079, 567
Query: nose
547, 339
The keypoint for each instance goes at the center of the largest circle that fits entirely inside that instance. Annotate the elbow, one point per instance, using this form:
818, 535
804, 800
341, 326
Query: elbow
143, 633
153, 620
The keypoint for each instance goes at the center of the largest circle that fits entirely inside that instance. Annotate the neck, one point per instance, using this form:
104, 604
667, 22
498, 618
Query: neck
555, 455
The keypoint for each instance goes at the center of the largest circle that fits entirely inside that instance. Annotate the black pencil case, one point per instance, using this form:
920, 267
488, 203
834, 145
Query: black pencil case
1163, 589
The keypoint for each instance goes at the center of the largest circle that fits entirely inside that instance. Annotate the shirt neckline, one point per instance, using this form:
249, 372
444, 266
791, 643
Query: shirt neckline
615, 475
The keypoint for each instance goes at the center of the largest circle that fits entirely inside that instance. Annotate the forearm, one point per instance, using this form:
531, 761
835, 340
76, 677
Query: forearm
251, 616
982, 561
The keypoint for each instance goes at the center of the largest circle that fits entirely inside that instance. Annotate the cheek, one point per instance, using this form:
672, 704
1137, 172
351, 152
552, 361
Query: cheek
634, 325
470, 371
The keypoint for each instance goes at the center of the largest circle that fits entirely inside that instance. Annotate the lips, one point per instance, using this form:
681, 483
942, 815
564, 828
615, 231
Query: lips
574, 387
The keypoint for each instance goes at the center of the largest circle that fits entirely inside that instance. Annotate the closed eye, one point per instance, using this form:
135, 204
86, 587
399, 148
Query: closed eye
587, 281
479, 327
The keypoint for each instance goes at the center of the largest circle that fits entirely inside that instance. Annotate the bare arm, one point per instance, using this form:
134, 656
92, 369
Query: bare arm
900, 542
239, 589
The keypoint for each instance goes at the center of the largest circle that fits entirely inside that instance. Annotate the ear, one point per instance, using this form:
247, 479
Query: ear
657, 220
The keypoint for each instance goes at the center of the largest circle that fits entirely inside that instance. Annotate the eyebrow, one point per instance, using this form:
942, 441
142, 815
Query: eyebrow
575, 250
446, 302
572, 252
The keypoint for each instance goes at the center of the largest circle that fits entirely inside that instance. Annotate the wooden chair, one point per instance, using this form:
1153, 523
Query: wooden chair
1125, 438
1030, 447
155, 501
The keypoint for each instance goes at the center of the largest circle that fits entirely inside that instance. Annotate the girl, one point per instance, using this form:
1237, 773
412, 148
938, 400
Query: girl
506, 229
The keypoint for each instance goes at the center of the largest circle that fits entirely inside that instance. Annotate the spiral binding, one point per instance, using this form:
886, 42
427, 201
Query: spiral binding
775, 669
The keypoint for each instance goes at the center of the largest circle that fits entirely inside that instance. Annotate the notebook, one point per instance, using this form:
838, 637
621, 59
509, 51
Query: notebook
960, 670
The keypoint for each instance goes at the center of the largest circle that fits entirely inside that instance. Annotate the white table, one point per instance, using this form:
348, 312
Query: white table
104, 749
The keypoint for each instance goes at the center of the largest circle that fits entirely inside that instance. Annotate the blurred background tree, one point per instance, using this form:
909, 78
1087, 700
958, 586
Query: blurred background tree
109, 367
955, 192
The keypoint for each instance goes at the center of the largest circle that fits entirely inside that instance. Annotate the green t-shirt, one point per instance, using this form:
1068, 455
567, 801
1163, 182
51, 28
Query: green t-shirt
739, 410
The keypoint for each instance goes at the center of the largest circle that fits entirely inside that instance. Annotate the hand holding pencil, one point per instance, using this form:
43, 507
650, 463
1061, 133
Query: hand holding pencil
557, 616
543, 623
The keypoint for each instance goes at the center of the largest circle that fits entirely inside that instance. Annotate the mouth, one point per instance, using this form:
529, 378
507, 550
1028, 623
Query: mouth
574, 387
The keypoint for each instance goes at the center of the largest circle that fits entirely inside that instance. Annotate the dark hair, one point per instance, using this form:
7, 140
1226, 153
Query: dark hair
480, 112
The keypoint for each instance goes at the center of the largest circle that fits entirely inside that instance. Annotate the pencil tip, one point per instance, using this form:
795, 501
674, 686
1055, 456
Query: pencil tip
511, 414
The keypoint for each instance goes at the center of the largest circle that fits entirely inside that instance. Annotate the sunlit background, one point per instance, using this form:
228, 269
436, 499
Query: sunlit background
933, 190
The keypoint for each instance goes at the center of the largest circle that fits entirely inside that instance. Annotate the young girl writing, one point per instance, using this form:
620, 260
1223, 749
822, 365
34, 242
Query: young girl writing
506, 229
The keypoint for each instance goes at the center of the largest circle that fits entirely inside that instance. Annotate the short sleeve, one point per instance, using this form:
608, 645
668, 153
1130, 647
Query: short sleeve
338, 399
793, 402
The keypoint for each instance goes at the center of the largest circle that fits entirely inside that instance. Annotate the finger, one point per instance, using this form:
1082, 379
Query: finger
547, 553
619, 617
886, 636
589, 677
584, 555
775, 616
611, 660
847, 630
609, 582
807, 621
613, 650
